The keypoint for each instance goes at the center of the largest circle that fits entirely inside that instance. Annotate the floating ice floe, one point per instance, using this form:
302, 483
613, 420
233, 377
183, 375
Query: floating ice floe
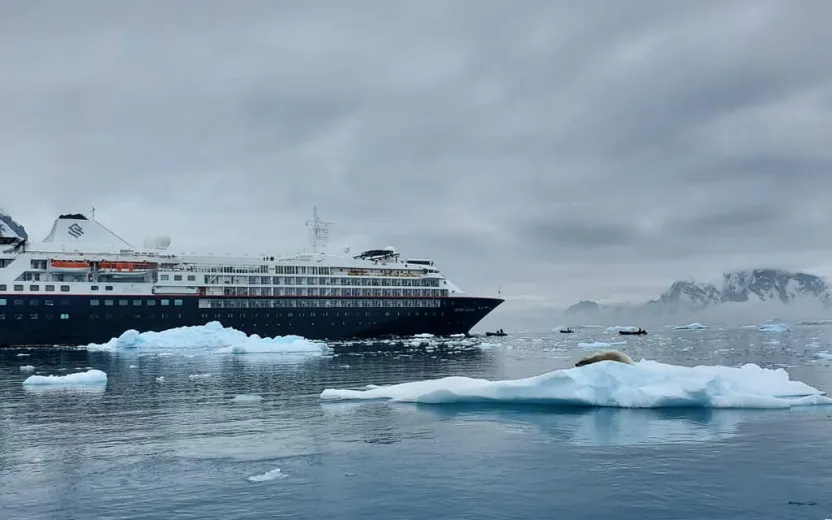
774, 327
27, 368
601, 344
647, 384
691, 326
88, 378
212, 336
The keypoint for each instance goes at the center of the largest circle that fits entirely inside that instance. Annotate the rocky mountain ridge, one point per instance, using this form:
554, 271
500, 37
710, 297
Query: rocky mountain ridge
754, 285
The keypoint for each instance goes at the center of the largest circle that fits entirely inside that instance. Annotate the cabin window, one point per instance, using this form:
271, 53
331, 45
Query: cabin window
49, 288
18, 302
33, 316
94, 288
122, 303
191, 278
64, 316
64, 302
165, 303
64, 288
177, 278
108, 287
49, 303
136, 303
2, 301
34, 288
94, 303
2, 316
109, 303
18, 287
177, 302
164, 277
33, 302
2, 287
151, 303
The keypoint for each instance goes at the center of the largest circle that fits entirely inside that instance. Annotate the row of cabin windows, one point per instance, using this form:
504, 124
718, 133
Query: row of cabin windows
177, 277
218, 315
231, 303
48, 303
107, 303
326, 291
34, 316
49, 288
301, 280
135, 303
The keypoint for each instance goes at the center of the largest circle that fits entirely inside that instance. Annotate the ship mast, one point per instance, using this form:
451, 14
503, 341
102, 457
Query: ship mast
319, 231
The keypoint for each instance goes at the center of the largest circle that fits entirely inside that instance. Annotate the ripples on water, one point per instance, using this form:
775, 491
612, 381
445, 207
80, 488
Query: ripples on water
184, 448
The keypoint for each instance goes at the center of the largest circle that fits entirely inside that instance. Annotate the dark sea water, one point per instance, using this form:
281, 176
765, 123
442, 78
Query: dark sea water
183, 448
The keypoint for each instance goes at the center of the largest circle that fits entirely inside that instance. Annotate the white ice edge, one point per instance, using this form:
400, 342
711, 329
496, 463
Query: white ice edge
647, 384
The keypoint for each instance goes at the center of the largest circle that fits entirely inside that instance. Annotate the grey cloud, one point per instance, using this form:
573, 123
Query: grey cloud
562, 150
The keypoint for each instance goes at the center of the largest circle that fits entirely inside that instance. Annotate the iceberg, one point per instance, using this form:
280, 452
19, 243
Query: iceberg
88, 378
212, 336
647, 384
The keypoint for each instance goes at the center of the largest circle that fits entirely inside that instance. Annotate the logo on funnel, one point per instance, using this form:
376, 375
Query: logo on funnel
75, 230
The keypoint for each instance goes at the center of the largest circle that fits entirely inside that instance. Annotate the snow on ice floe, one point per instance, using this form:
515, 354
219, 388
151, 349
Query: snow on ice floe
647, 384
601, 344
212, 336
88, 378
27, 368
691, 326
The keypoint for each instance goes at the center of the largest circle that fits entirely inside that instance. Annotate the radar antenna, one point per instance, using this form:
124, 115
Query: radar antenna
319, 231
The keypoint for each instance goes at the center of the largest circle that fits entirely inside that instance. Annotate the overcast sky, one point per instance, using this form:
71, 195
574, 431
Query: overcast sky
561, 150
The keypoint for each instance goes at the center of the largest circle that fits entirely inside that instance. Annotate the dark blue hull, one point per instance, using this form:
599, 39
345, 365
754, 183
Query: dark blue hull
75, 320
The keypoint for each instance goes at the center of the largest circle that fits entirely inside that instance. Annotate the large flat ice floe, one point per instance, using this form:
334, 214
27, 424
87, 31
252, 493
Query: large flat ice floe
211, 336
647, 384
89, 378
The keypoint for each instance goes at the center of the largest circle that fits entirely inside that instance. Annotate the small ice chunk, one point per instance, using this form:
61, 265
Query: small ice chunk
27, 368
269, 475
691, 326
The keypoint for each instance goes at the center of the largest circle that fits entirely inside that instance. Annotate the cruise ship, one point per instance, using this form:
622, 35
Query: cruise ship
84, 284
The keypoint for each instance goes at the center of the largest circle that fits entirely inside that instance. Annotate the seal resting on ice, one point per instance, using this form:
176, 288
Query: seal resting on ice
606, 355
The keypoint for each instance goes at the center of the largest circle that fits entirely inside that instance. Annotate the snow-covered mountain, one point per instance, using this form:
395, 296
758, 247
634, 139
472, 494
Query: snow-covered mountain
9, 228
750, 286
